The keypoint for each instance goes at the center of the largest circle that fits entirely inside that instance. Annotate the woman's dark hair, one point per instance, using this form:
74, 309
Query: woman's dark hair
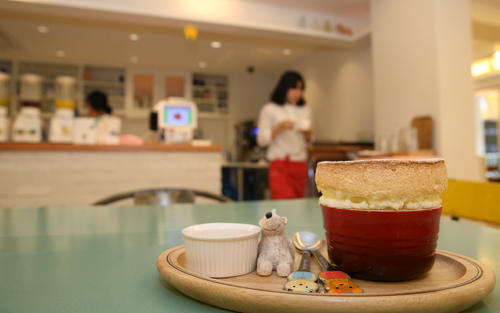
288, 80
99, 102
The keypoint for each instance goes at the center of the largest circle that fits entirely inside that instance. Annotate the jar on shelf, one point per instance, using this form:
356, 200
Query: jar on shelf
31, 90
4, 89
87, 75
65, 92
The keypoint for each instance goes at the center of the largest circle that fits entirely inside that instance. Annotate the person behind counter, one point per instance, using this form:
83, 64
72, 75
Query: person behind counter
107, 126
97, 104
285, 127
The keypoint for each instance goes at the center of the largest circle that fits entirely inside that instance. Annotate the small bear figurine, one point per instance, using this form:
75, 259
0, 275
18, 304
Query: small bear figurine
275, 249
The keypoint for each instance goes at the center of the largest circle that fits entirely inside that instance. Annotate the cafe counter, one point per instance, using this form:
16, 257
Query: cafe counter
66, 174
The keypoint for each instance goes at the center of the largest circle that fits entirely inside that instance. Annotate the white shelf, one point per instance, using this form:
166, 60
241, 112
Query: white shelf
206, 115
204, 100
209, 87
119, 112
103, 84
116, 98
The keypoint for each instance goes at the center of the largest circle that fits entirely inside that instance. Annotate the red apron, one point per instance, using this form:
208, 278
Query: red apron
287, 179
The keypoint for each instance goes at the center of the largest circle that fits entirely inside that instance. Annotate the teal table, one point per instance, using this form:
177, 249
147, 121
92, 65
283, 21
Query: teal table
103, 258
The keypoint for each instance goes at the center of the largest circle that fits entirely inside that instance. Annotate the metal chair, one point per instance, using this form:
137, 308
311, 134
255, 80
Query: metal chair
162, 196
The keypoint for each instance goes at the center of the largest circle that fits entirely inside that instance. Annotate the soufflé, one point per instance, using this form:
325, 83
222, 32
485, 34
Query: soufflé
381, 217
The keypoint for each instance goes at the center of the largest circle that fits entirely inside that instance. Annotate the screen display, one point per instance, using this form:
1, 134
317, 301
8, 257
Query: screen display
178, 116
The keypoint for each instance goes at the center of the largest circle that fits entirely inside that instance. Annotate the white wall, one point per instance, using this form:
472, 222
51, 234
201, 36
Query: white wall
404, 66
339, 93
422, 52
456, 134
248, 93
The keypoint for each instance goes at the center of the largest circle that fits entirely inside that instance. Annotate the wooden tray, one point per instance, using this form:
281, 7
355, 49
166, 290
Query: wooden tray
454, 284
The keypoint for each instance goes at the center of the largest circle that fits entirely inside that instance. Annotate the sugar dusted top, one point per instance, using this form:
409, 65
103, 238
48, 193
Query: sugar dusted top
382, 184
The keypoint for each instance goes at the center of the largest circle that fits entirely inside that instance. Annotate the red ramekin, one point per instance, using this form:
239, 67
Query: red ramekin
382, 245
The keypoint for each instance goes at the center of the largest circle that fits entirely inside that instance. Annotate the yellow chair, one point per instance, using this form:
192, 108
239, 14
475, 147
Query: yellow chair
475, 200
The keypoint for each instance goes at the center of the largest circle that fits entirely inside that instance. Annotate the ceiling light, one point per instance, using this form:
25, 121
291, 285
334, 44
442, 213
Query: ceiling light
134, 59
216, 44
480, 68
60, 53
134, 37
287, 51
43, 29
190, 32
497, 54
202, 64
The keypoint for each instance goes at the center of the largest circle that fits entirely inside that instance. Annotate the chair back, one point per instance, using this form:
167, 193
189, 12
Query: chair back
162, 196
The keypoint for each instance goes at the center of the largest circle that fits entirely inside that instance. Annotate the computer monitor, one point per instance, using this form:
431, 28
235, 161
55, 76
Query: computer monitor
177, 113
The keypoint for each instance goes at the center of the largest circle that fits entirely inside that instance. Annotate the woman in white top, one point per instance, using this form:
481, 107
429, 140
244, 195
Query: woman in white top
285, 127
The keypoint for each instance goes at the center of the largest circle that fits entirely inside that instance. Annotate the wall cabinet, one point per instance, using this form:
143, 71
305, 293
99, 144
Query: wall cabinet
108, 80
145, 87
89, 78
210, 94
48, 72
132, 92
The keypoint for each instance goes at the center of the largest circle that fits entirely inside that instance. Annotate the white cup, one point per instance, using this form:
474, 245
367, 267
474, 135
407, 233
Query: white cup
221, 249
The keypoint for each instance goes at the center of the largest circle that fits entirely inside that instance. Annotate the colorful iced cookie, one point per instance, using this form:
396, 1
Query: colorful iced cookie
327, 276
302, 276
300, 285
340, 286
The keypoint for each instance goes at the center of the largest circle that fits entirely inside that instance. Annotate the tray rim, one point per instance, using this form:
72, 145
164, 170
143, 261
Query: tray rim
468, 292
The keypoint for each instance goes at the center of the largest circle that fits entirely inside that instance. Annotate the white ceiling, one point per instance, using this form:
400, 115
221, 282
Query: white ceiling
107, 43
348, 8
104, 40
96, 39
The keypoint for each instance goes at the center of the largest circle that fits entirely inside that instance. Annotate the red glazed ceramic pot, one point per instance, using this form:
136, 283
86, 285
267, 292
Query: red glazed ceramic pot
382, 245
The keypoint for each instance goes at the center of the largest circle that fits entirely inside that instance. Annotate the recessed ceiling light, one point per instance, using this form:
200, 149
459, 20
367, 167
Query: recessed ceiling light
202, 64
216, 44
43, 29
134, 37
287, 51
60, 53
134, 59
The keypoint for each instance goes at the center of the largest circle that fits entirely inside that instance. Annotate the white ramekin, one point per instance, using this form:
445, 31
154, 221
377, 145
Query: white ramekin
221, 249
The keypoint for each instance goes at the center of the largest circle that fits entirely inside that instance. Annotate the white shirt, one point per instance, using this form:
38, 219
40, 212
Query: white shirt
289, 142
107, 129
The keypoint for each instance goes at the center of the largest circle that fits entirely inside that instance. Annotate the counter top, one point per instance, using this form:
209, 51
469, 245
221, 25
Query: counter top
336, 151
70, 147
339, 147
246, 164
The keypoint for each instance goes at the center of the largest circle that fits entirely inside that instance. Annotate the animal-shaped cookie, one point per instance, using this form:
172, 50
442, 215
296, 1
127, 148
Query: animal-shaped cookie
300, 285
342, 286
275, 249
327, 276
302, 276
